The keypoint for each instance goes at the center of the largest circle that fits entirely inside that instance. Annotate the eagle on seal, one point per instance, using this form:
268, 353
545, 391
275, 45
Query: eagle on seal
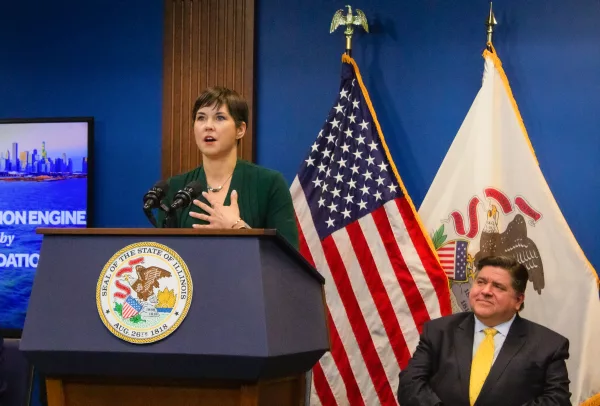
514, 243
147, 280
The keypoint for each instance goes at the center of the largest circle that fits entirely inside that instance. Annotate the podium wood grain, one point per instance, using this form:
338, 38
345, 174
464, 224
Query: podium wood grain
79, 391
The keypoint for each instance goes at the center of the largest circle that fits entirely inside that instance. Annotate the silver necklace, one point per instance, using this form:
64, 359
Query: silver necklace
217, 189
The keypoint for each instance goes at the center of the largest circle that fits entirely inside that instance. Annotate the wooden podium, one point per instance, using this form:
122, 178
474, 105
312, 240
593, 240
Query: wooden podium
256, 323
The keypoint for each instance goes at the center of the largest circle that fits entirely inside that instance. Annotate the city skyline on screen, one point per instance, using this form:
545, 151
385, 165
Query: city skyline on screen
70, 138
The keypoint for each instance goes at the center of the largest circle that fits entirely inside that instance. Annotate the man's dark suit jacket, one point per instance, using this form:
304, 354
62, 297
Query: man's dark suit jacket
529, 370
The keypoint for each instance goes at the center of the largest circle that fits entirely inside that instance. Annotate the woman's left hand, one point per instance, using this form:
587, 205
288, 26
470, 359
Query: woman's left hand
219, 216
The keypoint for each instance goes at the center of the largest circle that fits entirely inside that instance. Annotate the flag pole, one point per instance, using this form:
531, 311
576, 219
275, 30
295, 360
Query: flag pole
349, 21
490, 23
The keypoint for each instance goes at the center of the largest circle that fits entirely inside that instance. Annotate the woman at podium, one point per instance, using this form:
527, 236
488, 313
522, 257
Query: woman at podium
235, 193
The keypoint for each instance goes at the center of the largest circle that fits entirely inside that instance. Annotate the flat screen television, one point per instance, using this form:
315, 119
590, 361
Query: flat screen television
45, 181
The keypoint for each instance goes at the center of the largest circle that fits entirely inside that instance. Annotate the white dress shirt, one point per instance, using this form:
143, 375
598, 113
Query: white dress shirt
499, 338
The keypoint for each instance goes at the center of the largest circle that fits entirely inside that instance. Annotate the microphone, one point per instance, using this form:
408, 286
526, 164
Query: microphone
184, 197
155, 195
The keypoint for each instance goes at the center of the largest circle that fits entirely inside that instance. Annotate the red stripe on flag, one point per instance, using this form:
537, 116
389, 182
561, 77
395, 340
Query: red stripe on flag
413, 297
357, 322
322, 386
338, 353
340, 357
377, 289
433, 269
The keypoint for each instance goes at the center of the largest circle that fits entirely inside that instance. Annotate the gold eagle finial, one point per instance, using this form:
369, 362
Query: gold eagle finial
349, 20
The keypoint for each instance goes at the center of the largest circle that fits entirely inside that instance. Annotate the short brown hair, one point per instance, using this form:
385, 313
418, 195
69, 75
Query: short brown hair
217, 96
518, 273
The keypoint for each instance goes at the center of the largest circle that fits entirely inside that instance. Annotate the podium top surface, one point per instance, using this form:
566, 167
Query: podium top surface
187, 232
155, 231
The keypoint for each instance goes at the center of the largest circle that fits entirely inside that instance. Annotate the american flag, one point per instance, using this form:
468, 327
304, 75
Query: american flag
453, 257
360, 230
131, 307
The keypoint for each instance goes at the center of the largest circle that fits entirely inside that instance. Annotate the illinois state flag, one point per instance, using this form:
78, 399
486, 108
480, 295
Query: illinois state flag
490, 195
360, 230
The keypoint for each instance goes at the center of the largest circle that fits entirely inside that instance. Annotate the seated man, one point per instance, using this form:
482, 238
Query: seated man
490, 356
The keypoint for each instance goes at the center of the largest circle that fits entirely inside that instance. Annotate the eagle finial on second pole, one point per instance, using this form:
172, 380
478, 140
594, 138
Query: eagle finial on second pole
349, 20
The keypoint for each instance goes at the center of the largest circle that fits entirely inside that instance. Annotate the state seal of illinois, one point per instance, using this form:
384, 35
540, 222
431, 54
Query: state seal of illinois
144, 292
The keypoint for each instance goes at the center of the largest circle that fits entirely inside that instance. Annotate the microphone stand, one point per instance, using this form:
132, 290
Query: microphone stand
170, 220
150, 216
